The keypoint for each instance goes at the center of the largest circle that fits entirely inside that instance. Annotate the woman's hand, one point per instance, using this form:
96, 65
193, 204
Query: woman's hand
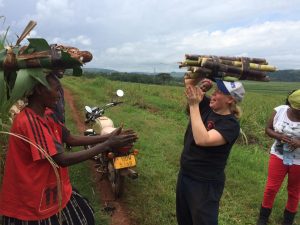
122, 140
191, 82
294, 143
205, 84
283, 138
194, 95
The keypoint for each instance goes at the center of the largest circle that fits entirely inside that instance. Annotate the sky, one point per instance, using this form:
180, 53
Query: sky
154, 35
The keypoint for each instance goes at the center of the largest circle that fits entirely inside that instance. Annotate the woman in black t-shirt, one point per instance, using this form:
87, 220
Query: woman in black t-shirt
212, 130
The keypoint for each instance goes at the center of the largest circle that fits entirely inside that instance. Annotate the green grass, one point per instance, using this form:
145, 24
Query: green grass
156, 113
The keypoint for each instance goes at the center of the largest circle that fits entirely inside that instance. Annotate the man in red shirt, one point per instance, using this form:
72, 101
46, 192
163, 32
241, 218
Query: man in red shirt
30, 192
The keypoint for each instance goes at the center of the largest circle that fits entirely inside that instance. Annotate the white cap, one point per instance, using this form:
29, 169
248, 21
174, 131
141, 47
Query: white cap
235, 89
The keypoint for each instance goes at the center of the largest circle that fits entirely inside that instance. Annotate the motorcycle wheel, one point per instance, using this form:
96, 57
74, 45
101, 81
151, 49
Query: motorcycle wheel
116, 180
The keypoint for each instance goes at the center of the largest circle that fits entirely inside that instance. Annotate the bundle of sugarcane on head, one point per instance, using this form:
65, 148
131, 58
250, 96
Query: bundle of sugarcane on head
22, 66
226, 68
39, 54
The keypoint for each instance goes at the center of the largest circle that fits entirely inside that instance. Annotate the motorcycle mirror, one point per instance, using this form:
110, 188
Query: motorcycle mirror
88, 109
120, 93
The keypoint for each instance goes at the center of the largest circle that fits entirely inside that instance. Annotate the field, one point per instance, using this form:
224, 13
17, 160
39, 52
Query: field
157, 114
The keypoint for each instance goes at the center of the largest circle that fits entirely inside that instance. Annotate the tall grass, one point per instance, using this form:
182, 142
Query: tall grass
157, 114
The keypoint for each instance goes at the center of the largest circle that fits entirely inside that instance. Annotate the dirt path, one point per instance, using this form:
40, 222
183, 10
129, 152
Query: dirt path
120, 214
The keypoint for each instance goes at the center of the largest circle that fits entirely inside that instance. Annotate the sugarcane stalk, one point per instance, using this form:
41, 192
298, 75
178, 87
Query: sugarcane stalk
45, 59
238, 76
254, 66
201, 70
189, 63
26, 31
231, 69
252, 60
230, 79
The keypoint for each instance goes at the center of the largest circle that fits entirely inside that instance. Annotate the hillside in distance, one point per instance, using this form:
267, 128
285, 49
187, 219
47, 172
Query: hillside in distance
285, 75
280, 75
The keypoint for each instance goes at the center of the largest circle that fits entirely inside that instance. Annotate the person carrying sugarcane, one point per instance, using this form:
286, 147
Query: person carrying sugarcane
32, 191
212, 130
284, 127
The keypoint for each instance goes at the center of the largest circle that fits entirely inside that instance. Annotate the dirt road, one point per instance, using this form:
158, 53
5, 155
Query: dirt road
120, 214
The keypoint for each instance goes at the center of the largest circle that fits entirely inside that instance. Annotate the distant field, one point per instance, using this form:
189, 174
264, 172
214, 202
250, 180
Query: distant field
271, 87
157, 114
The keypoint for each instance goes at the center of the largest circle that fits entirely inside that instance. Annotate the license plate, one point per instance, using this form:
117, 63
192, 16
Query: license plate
124, 161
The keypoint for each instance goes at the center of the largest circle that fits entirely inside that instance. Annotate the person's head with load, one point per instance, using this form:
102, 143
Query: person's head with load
46, 94
226, 96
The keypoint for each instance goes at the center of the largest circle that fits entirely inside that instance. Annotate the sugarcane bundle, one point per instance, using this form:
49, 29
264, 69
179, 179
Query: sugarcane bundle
39, 54
21, 67
227, 68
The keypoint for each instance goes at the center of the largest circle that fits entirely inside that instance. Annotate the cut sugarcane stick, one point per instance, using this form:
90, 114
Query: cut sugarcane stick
225, 67
201, 70
252, 60
189, 63
253, 66
232, 69
54, 56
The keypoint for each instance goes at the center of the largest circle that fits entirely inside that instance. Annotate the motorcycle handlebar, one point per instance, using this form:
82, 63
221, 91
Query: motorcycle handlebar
117, 103
111, 104
100, 111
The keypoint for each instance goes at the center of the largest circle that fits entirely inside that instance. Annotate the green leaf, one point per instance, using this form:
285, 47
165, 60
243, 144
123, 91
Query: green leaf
68, 61
38, 44
10, 77
77, 71
2, 56
24, 83
4, 106
3, 97
230, 79
39, 75
3, 39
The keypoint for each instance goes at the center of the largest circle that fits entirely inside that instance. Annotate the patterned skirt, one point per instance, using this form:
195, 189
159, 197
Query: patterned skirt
77, 212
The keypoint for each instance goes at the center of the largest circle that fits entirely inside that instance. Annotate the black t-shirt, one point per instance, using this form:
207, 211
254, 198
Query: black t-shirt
208, 163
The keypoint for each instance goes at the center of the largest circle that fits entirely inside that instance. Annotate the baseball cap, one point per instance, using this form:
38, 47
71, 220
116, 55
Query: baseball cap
235, 89
294, 99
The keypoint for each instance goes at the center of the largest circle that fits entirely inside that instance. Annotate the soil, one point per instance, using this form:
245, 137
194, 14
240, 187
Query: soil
119, 215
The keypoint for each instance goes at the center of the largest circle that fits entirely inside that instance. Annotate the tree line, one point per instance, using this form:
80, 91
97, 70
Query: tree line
160, 78
168, 79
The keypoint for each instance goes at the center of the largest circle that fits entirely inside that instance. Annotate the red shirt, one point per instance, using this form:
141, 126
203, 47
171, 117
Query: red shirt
29, 189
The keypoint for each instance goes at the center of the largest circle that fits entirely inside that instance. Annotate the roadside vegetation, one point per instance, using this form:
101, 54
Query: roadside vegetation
157, 114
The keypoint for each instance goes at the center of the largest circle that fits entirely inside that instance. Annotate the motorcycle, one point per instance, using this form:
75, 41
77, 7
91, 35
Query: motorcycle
113, 165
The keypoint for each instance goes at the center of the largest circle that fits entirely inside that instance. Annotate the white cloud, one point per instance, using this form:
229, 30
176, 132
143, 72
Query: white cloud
80, 40
55, 10
125, 34
275, 41
32, 34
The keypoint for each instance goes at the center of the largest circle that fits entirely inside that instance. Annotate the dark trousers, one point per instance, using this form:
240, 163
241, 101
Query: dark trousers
197, 203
